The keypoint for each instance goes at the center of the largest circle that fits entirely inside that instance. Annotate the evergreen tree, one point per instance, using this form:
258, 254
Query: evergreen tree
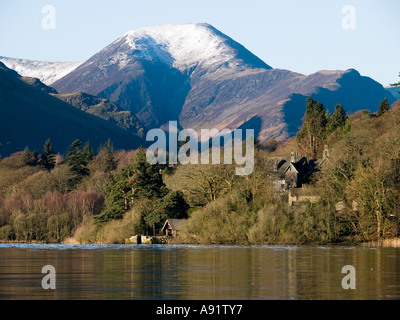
338, 119
35, 157
140, 180
88, 151
347, 126
148, 181
77, 159
120, 196
48, 159
27, 157
172, 206
383, 107
106, 157
313, 131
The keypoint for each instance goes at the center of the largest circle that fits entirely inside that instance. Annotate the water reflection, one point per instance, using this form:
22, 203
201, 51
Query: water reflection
197, 273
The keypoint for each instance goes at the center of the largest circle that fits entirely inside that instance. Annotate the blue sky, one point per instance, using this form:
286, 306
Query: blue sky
300, 35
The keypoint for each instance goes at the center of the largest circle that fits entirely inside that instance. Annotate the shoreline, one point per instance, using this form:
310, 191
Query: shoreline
386, 243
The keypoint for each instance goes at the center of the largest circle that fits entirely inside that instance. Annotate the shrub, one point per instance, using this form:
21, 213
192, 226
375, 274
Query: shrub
271, 226
115, 231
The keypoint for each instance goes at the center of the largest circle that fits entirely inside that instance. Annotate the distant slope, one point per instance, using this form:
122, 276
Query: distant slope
394, 91
47, 72
35, 82
349, 88
104, 109
29, 116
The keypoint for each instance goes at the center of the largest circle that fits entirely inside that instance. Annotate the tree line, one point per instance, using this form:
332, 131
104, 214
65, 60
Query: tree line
319, 123
108, 195
45, 198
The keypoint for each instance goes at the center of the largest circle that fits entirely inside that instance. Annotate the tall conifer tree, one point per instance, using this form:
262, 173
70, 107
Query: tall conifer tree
48, 159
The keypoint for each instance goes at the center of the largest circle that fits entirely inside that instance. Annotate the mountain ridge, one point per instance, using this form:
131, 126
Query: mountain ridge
103, 108
200, 77
30, 116
148, 71
45, 71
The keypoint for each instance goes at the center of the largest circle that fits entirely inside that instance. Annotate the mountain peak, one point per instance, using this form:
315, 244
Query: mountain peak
195, 74
185, 46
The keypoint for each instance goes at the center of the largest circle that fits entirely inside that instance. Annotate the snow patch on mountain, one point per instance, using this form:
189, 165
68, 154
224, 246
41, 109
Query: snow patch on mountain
47, 72
183, 45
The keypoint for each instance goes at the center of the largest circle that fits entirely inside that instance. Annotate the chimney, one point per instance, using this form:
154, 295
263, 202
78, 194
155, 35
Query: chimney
293, 157
325, 155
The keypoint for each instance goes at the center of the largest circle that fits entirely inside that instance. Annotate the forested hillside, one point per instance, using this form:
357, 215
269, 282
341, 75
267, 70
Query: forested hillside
107, 195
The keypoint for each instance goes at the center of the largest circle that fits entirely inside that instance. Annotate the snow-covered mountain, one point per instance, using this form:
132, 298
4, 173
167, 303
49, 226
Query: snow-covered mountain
187, 46
202, 78
150, 71
47, 72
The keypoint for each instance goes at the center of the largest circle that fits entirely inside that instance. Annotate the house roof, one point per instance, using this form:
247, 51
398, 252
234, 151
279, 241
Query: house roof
323, 161
175, 224
299, 166
291, 165
278, 164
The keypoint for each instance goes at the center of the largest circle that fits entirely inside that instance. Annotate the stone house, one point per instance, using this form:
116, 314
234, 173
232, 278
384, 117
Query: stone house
292, 174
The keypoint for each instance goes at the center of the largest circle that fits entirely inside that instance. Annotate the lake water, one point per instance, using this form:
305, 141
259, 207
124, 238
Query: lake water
198, 272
